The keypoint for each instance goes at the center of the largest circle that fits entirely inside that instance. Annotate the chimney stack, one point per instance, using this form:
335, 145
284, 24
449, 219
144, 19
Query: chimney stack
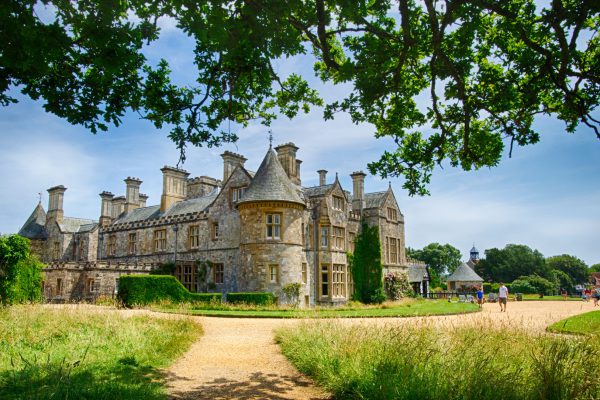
322, 177
106, 208
55, 204
201, 186
230, 161
118, 206
358, 190
143, 199
132, 193
174, 187
286, 153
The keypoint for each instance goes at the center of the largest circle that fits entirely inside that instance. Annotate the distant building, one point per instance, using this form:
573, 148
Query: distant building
465, 277
257, 231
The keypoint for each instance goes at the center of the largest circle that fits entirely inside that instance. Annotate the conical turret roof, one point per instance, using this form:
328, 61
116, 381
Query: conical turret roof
271, 183
464, 273
34, 227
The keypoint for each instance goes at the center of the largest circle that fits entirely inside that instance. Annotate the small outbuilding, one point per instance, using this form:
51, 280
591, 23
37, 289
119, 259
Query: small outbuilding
463, 278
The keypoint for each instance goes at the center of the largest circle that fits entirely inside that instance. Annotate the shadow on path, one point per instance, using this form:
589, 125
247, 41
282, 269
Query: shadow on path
255, 386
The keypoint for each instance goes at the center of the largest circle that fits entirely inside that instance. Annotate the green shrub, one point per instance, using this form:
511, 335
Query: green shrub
20, 271
146, 289
487, 288
206, 297
533, 284
258, 298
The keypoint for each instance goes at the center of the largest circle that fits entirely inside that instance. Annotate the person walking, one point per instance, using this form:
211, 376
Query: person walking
502, 297
480, 296
596, 296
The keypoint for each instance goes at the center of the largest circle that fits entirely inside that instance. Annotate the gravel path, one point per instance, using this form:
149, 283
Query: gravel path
237, 358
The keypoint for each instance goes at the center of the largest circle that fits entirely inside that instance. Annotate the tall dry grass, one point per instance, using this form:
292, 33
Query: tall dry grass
434, 362
85, 352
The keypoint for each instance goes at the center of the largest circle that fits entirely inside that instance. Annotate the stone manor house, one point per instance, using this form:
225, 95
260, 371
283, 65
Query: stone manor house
258, 232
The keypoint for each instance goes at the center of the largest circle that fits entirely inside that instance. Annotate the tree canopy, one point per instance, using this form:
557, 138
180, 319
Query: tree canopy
488, 68
512, 262
20, 271
576, 269
441, 258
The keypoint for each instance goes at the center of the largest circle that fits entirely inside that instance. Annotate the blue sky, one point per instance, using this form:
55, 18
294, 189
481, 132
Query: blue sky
546, 196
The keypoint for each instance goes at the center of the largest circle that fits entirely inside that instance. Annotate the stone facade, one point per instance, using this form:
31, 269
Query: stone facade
256, 232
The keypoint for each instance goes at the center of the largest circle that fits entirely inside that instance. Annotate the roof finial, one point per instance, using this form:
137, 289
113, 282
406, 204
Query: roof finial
40, 195
270, 139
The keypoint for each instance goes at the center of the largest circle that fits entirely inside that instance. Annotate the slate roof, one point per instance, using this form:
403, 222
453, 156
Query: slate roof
316, 191
374, 200
72, 225
464, 273
197, 204
271, 183
34, 227
416, 272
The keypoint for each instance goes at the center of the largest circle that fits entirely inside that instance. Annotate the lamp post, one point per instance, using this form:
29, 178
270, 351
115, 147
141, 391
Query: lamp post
176, 230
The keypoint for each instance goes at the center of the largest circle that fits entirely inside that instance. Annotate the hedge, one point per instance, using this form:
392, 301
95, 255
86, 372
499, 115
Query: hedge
146, 289
257, 298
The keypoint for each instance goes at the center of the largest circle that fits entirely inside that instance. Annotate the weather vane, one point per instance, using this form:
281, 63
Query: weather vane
270, 138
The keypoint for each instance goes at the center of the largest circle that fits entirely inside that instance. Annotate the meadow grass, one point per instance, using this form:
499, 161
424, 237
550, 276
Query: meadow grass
87, 353
428, 362
404, 308
582, 324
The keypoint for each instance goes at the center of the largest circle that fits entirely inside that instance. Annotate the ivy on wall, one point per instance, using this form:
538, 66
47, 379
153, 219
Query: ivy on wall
366, 267
20, 271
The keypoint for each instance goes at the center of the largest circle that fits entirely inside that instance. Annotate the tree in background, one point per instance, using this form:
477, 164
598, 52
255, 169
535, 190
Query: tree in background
570, 265
366, 267
20, 272
594, 268
511, 262
489, 68
562, 280
533, 284
441, 258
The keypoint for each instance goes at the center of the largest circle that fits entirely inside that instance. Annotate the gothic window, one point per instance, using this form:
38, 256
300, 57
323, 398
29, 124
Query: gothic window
338, 280
324, 237
304, 273
324, 280
392, 214
338, 238
274, 273
160, 240
218, 273
338, 203
112, 245
132, 243
273, 226
194, 236
237, 193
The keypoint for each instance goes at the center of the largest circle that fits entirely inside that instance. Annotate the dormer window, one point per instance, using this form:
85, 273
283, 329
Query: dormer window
273, 225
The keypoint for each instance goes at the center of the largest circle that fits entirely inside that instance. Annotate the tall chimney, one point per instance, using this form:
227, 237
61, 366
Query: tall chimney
118, 206
143, 199
174, 187
132, 193
322, 177
106, 208
286, 153
230, 161
55, 204
358, 190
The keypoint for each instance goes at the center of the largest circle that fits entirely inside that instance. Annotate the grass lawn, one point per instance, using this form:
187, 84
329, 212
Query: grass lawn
51, 353
408, 308
424, 362
583, 324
